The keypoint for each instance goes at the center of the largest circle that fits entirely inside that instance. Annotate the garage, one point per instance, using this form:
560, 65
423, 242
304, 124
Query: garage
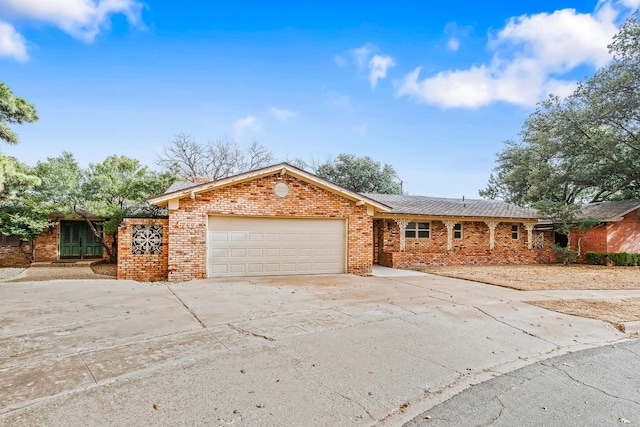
275, 246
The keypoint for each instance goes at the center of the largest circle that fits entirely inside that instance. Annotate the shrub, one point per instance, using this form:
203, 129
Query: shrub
624, 259
595, 258
564, 254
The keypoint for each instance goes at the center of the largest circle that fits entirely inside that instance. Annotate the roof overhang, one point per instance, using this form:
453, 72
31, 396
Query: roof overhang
462, 218
172, 199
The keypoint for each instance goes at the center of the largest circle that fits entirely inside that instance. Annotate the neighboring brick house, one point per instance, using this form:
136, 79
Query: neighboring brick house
64, 239
618, 231
420, 231
282, 220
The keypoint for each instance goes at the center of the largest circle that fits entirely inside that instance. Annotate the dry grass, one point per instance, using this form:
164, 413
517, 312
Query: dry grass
546, 277
612, 311
559, 277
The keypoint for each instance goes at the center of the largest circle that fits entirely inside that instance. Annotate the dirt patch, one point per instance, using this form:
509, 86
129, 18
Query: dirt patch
612, 311
104, 268
546, 277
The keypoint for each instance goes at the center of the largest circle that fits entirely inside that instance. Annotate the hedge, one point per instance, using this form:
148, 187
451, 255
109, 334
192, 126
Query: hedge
620, 259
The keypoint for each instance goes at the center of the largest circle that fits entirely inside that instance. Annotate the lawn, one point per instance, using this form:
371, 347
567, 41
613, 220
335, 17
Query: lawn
546, 277
559, 277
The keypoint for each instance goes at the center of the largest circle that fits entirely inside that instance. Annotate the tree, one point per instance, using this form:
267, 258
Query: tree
360, 174
565, 219
191, 160
116, 188
582, 148
15, 177
13, 110
20, 214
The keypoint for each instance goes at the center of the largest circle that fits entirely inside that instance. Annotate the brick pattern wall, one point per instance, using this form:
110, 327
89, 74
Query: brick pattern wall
593, 240
188, 224
47, 246
145, 267
622, 236
12, 256
472, 249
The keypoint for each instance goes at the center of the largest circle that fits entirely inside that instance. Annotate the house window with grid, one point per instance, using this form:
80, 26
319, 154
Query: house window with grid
417, 230
457, 231
515, 232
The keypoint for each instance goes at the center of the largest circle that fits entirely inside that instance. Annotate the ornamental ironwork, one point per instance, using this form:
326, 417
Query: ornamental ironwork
146, 239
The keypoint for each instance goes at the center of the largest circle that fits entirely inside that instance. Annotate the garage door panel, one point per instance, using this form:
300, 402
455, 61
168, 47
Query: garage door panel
238, 252
271, 246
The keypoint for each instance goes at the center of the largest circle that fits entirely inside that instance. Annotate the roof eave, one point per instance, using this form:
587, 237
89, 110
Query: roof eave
283, 168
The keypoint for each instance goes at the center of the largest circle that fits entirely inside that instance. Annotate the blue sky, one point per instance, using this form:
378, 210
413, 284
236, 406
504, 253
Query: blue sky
433, 89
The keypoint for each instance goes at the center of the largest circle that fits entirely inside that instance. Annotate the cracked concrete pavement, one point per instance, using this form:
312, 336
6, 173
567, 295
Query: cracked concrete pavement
298, 350
594, 387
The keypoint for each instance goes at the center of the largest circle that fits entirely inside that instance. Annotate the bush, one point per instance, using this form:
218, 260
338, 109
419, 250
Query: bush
564, 254
623, 259
595, 258
620, 259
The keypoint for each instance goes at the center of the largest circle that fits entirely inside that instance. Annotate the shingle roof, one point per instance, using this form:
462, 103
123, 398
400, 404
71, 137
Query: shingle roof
180, 185
435, 206
610, 211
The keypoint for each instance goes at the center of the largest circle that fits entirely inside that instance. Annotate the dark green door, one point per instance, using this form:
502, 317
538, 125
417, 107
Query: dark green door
77, 240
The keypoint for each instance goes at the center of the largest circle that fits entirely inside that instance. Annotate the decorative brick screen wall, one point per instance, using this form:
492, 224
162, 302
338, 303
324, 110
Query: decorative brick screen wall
143, 249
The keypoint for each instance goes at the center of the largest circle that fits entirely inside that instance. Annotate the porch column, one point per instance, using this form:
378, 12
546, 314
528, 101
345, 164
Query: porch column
529, 228
402, 223
449, 225
492, 233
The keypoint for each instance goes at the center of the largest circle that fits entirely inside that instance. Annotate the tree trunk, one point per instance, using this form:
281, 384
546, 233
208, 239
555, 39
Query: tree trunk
113, 256
30, 254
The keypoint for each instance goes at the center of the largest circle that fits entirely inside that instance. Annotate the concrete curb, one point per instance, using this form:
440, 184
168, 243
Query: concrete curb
630, 327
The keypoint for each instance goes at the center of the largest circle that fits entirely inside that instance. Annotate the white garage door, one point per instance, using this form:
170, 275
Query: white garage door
275, 246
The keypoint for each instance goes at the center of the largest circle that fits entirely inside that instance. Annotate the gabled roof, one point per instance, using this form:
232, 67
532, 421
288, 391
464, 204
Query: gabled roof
610, 211
184, 189
435, 206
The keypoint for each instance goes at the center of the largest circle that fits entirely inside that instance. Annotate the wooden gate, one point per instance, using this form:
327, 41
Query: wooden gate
78, 241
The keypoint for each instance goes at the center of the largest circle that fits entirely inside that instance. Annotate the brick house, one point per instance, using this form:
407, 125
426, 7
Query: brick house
618, 231
65, 238
283, 220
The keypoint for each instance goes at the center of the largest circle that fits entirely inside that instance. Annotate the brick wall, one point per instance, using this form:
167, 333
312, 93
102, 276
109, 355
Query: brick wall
624, 236
592, 240
472, 249
188, 224
142, 267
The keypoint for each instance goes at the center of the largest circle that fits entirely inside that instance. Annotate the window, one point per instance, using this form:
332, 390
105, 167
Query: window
457, 231
419, 230
515, 232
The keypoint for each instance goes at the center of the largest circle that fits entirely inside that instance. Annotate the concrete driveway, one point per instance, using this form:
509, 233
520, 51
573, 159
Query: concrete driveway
300, 350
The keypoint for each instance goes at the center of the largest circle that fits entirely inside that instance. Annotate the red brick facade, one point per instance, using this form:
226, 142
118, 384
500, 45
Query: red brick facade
621, 236
142, 267
46, 249
472, 249
188, 223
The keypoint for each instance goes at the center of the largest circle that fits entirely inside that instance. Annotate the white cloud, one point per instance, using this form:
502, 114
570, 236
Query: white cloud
241, 126
631, 4
454, 32
82, 19
378, 66
283, 115
528, 51
12, 44
453, 44
361, 55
